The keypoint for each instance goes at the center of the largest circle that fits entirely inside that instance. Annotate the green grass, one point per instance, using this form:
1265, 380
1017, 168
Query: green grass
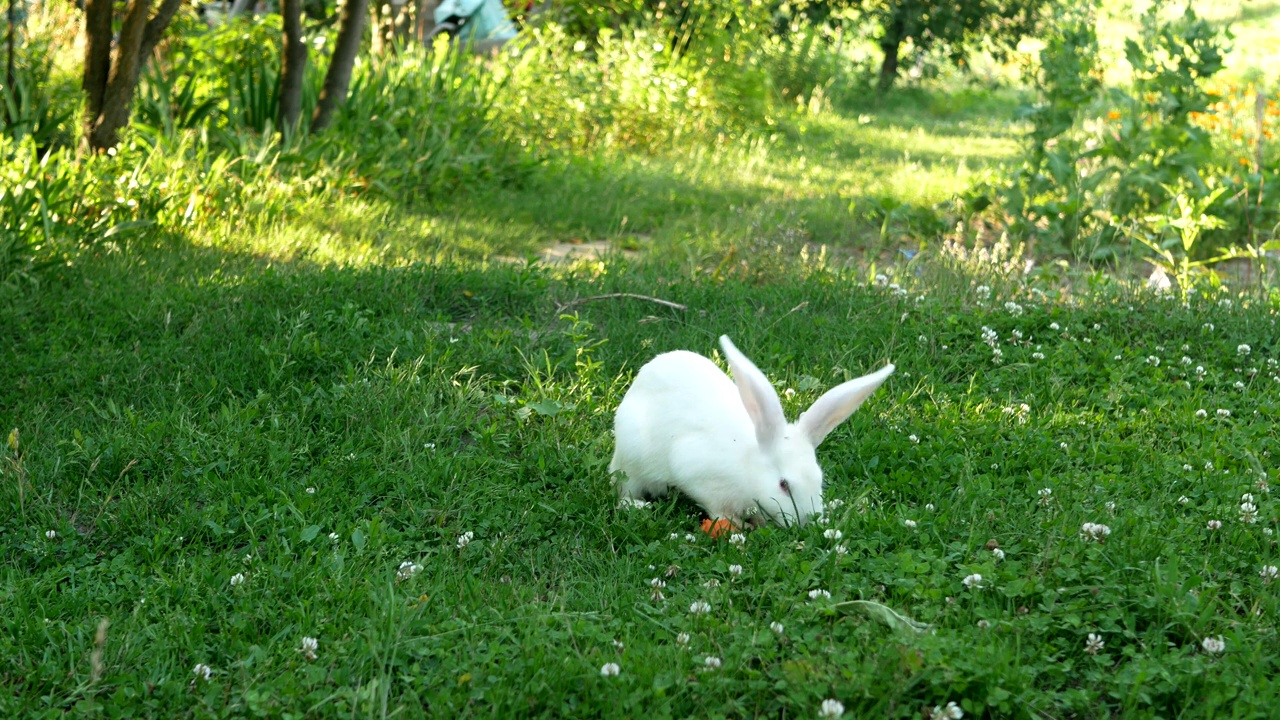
175, 403
308, 397
833, 178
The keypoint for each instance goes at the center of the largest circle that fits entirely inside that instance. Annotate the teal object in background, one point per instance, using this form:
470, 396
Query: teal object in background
487, 19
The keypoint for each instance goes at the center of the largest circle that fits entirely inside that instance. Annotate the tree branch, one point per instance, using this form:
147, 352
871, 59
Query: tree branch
155, 29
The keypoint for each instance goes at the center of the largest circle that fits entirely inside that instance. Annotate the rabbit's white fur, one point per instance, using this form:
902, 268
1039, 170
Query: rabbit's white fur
725, 443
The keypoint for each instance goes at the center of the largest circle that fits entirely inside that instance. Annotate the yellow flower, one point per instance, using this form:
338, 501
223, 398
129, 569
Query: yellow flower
1114, 115
1244, 161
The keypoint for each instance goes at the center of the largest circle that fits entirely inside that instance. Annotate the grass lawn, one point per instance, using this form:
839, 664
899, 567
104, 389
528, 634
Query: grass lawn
221, 455
350, 461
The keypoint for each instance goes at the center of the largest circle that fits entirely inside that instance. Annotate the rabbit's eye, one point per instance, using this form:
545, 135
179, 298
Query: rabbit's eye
785, 485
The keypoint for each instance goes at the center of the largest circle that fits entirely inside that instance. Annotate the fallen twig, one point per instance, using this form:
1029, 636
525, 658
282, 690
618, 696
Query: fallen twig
614, 296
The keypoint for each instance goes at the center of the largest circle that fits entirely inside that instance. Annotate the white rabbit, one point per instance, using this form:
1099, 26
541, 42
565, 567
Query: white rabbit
683, 424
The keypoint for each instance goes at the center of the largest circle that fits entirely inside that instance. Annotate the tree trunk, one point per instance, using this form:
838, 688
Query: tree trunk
295, 66
12, 42
122, 77
338, 77
110, 78
894, 33
97, 57
155, 29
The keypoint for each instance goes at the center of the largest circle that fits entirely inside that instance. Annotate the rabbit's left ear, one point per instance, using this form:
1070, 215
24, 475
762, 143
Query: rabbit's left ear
838, 404
758, 395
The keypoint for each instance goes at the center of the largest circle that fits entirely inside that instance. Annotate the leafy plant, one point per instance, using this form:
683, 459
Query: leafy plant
1174, 236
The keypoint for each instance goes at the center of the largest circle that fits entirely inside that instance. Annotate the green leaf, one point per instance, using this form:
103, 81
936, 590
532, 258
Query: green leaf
358, 539
882, 613
310, 532
550, 408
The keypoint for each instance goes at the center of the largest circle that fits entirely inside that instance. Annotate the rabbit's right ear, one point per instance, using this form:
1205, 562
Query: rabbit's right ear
839, 403
757, 393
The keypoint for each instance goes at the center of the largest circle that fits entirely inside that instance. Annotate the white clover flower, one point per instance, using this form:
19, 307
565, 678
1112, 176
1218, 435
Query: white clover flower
237, 579
1248, 513
712, 662
1094, 644
690, 537
333, 537
1202, 413
1213, 645
309, 647
929, 507
1200, 370
311, 491
1187, 467
815, 594
881, 279
1208, 465
1269, 573
1243, 350
1037, 356
465, 539
610, 670
1054, 326
675, 536
407, 569
1016, 335
1062, 445
989, 336
835, 503
950, 711
1046, 495
1239, 385
1153, 361
1185, 360
998, 553
911, 524
842, 550
1223, 413
1207, 326
202, 671
699, 607
914, 438
789, 393
972, 581
832, 534
1183, 499
1214, 524
735, 570
997, 355
737, 539
776, 627
831, 709
1094, 531
51, 534
658, 583
983, 291
682, 638
1247, 497
1013, 308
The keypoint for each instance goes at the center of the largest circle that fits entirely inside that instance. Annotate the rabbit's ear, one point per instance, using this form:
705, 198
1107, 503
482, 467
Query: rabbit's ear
758, 395
838, 404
